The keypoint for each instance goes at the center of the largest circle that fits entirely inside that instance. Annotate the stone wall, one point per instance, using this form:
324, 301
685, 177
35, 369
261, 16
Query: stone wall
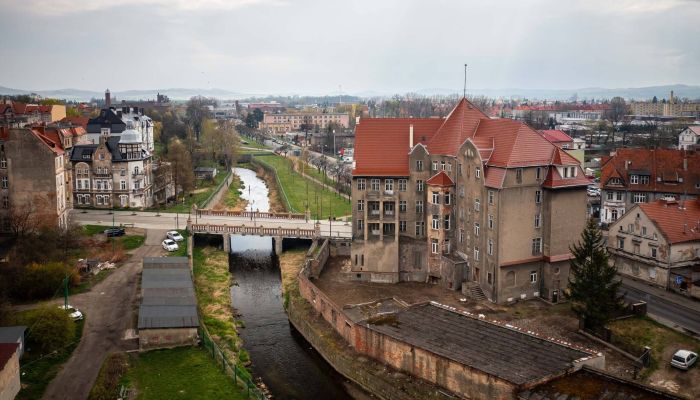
165, 338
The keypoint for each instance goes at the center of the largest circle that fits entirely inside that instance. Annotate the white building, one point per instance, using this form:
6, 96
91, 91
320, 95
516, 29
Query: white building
689, 139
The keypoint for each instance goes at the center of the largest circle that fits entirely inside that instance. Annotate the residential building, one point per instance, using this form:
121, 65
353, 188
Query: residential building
562, 113
17, 115
465, 201
670, 108
9, 371
205, 173
266, 107
281, 123
33, 177
117, 172
575, 147
659, 243
112, 122
689, 139
631, 176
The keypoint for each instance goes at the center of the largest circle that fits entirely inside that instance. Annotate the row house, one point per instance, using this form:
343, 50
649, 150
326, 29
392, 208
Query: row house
32, 178
117, 172
280, 123
634, 176
467, 202
17, 115
659, 243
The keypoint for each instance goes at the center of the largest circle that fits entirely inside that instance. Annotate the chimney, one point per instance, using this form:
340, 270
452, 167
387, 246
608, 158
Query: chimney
410, 136
108, 99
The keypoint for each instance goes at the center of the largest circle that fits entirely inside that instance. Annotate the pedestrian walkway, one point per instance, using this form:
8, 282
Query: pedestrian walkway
662, 293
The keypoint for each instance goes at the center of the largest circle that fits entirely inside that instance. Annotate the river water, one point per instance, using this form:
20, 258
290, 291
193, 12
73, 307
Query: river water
287, 364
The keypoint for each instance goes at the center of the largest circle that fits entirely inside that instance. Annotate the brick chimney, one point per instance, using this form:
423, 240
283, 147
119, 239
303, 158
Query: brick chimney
108, 99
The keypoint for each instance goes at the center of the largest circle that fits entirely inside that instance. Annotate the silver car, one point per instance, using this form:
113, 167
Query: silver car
684, 359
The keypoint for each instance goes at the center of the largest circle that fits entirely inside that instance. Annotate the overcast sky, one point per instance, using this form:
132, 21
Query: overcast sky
301, 46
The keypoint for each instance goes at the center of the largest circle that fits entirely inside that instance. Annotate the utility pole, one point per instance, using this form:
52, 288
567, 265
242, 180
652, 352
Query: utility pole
113, 228
464, 92
65, 292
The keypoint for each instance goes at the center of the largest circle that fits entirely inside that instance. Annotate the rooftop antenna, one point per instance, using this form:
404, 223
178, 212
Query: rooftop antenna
464, 93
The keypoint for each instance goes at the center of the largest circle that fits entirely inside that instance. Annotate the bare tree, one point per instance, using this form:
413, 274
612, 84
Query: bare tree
181, 161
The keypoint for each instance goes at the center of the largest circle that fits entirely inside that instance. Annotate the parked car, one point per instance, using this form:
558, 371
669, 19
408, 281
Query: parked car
111, 232
175, 235
73, 312
170, 245
684, 359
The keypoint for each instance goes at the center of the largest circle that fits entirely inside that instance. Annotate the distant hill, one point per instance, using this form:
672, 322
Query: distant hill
638, 93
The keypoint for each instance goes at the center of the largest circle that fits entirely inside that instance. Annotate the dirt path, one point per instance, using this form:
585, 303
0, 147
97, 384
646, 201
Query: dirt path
109, 310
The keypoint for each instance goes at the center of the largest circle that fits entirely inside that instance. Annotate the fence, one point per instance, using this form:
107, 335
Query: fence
269, 168
250, 214
240, 377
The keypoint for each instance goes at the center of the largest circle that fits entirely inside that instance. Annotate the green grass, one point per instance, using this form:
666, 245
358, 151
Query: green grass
197, 198
632, 334
182, 373
94, 229
130, 242
252, 143
233, 195
319, 199
36, 372
182, 246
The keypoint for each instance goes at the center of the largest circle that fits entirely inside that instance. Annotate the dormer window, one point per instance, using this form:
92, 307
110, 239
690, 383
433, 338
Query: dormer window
634, 179
615, 181
569, 172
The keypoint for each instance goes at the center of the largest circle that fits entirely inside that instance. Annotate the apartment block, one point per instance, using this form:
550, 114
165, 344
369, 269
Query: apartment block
280, 123
466, 202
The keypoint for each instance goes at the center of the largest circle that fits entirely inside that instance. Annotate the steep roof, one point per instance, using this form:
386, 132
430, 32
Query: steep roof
88, 149
457, 127
666, 168
677, 222
79, 121
556, 136
440, 179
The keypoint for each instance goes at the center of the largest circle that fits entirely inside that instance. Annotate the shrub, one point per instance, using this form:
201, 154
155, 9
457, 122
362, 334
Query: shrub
50, 328
40, 281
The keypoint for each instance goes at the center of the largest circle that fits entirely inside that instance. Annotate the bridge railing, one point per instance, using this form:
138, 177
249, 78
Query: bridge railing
250, 214
255, 230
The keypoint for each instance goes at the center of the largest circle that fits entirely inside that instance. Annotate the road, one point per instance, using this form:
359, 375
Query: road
167, 221
666, 310
109, 310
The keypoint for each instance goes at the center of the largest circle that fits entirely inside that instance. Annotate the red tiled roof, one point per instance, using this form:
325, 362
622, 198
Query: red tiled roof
440, 179
556, 136
382, 144
79, 121
457, 127
7, 350
664, 167
561, 157
677, 222
554, 180
50, 137
494, 176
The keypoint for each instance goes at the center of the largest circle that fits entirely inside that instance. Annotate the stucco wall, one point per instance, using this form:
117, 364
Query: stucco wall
164, 338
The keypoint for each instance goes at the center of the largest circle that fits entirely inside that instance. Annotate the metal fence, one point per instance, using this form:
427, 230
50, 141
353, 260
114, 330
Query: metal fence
269, 168
240, 377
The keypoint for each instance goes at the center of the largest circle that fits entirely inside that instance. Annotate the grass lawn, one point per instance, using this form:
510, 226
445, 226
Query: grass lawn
632, 334
204, 189
252, 143
181, 373
295, 187
233, 195
181, 246
36, 372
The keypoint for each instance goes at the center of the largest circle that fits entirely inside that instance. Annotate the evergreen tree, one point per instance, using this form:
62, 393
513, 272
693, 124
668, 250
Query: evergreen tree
593, 285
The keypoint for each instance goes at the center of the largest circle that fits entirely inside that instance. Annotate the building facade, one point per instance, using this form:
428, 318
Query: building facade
280, 123
17, 115
463, 201
670, 108
113, 121
116, 173
634, 176
659, 243
689, 139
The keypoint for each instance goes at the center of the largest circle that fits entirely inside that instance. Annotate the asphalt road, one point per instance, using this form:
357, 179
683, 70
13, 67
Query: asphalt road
666, 310
109, 310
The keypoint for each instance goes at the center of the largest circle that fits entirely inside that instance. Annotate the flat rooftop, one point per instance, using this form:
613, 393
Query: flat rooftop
498, 350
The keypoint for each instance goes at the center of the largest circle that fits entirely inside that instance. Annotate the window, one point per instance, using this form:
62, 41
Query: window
5, 202
360, 205
3, 162
447, 198
374, 208
618, 196
389, 229
613, 215
538, 196
419, 185
461, 235
492, 195
538, 220
476, 229
490, 247
446, 247
609, 195
360, 225
420, 228
639, 198
634, 179
436, 222
490, 221
476, 254
644, 179
442, 165
402, 226
435, 166
644, 231
621, 243
538, 173
436, 197
374, 185
477, 205
419, 165
4, 182
449, 167
519, 175
447, 222
419, 206
635, 248
477, 173
402, 205
434, 246
653, 252
361, 184
402, 185
389, 208
533, 277
389, 185
536, 246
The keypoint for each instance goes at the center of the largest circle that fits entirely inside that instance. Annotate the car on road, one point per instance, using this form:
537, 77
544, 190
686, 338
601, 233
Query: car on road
170, 245
175, 235
684, 359
73, 312
111, 232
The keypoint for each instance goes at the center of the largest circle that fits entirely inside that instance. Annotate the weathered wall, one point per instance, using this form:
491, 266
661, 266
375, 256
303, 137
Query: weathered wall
9, 379
164, 338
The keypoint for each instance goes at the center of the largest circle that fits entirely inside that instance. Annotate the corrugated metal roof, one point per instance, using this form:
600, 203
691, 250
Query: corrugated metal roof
168, 316
10, 334
168, 297
165, 262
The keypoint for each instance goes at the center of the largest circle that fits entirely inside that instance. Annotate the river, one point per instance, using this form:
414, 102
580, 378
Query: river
287, 364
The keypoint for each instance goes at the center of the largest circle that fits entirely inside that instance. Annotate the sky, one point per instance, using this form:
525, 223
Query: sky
323, 46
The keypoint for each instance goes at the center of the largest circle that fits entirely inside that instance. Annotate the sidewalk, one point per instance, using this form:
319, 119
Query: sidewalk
662, 293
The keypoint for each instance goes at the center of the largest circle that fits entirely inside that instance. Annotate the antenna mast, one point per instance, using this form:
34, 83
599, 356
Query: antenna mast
464, 93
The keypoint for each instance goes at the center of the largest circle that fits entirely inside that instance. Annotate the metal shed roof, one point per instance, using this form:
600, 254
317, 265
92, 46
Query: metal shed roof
168, 316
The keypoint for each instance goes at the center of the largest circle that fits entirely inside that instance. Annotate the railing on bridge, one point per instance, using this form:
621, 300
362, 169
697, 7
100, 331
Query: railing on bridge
255, 230
250, 214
